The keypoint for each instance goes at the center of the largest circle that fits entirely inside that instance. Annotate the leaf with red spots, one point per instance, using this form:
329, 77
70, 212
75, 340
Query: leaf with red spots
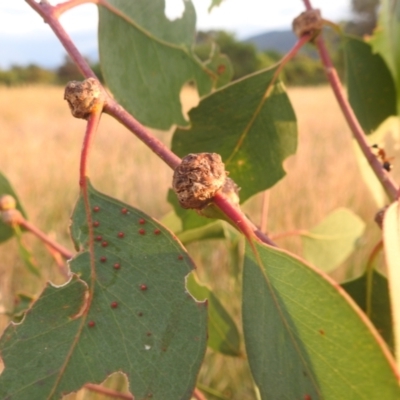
305, 337
68, 339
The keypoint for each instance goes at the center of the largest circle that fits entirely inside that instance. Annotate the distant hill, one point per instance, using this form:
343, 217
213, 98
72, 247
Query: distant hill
281, 41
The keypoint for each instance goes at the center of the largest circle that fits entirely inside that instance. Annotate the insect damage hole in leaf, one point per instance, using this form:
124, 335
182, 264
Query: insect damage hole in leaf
137, 78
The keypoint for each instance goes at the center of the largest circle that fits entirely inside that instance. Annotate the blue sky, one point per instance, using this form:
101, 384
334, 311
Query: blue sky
24, 38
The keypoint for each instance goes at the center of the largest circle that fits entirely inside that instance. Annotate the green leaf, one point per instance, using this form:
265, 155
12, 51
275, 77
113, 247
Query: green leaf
22, 302
386, 39
25, 255
252, 132
371, 89
155, 334
220, 65
391, 237
330, 242
223, 335
305, 339
214, 3
372, 295
189, 218
6, 232
146, 59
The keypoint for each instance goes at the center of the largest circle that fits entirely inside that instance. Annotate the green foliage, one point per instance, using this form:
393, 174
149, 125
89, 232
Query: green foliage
130, 303
371, 293
140, 330
32, 74
329, 243
243, 56
252, 128
223, 335
138, 79
303, 70
300, 335
372, 94
386, 40
391, 235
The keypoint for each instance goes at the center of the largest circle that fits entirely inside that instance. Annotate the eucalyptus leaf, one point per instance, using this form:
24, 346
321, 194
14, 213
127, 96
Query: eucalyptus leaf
223, 335
371, 88
386, 39
305, 338
251, 124
371, 293
125, 309
329, 243
146, 59
391, 237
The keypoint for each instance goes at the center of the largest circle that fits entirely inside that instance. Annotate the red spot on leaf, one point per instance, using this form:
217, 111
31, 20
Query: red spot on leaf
221, 69
117, 266
96, 224
322, 332
103, 258
140, 314
148, 333
157, 231
91, 324
104, 244
143, 287
180, 257
307, 397
142, 231
142, 221
121, 234
124, 211
96, 208
114, 304
98, 238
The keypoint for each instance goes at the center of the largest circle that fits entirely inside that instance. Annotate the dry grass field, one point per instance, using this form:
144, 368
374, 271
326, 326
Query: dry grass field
39, 153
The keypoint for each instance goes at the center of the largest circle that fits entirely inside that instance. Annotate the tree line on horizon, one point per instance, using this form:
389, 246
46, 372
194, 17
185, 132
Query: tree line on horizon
302, 70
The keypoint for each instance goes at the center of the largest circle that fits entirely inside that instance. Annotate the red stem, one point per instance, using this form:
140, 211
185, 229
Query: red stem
120, 114
91, 128
386, 180
49, 14
198, 395
297, 232
108, 392
44, 238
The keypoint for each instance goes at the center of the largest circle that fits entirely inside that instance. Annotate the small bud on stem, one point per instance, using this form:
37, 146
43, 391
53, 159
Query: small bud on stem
7, 202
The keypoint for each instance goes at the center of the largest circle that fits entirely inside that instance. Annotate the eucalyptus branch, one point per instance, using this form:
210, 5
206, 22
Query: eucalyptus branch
50, 15
45, 239
386, 180
108, 392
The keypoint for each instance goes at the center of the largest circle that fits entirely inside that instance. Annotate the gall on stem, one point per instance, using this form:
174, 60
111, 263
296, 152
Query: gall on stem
50, 15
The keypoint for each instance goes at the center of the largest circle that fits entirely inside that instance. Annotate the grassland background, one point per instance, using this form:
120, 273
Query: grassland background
39, 152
